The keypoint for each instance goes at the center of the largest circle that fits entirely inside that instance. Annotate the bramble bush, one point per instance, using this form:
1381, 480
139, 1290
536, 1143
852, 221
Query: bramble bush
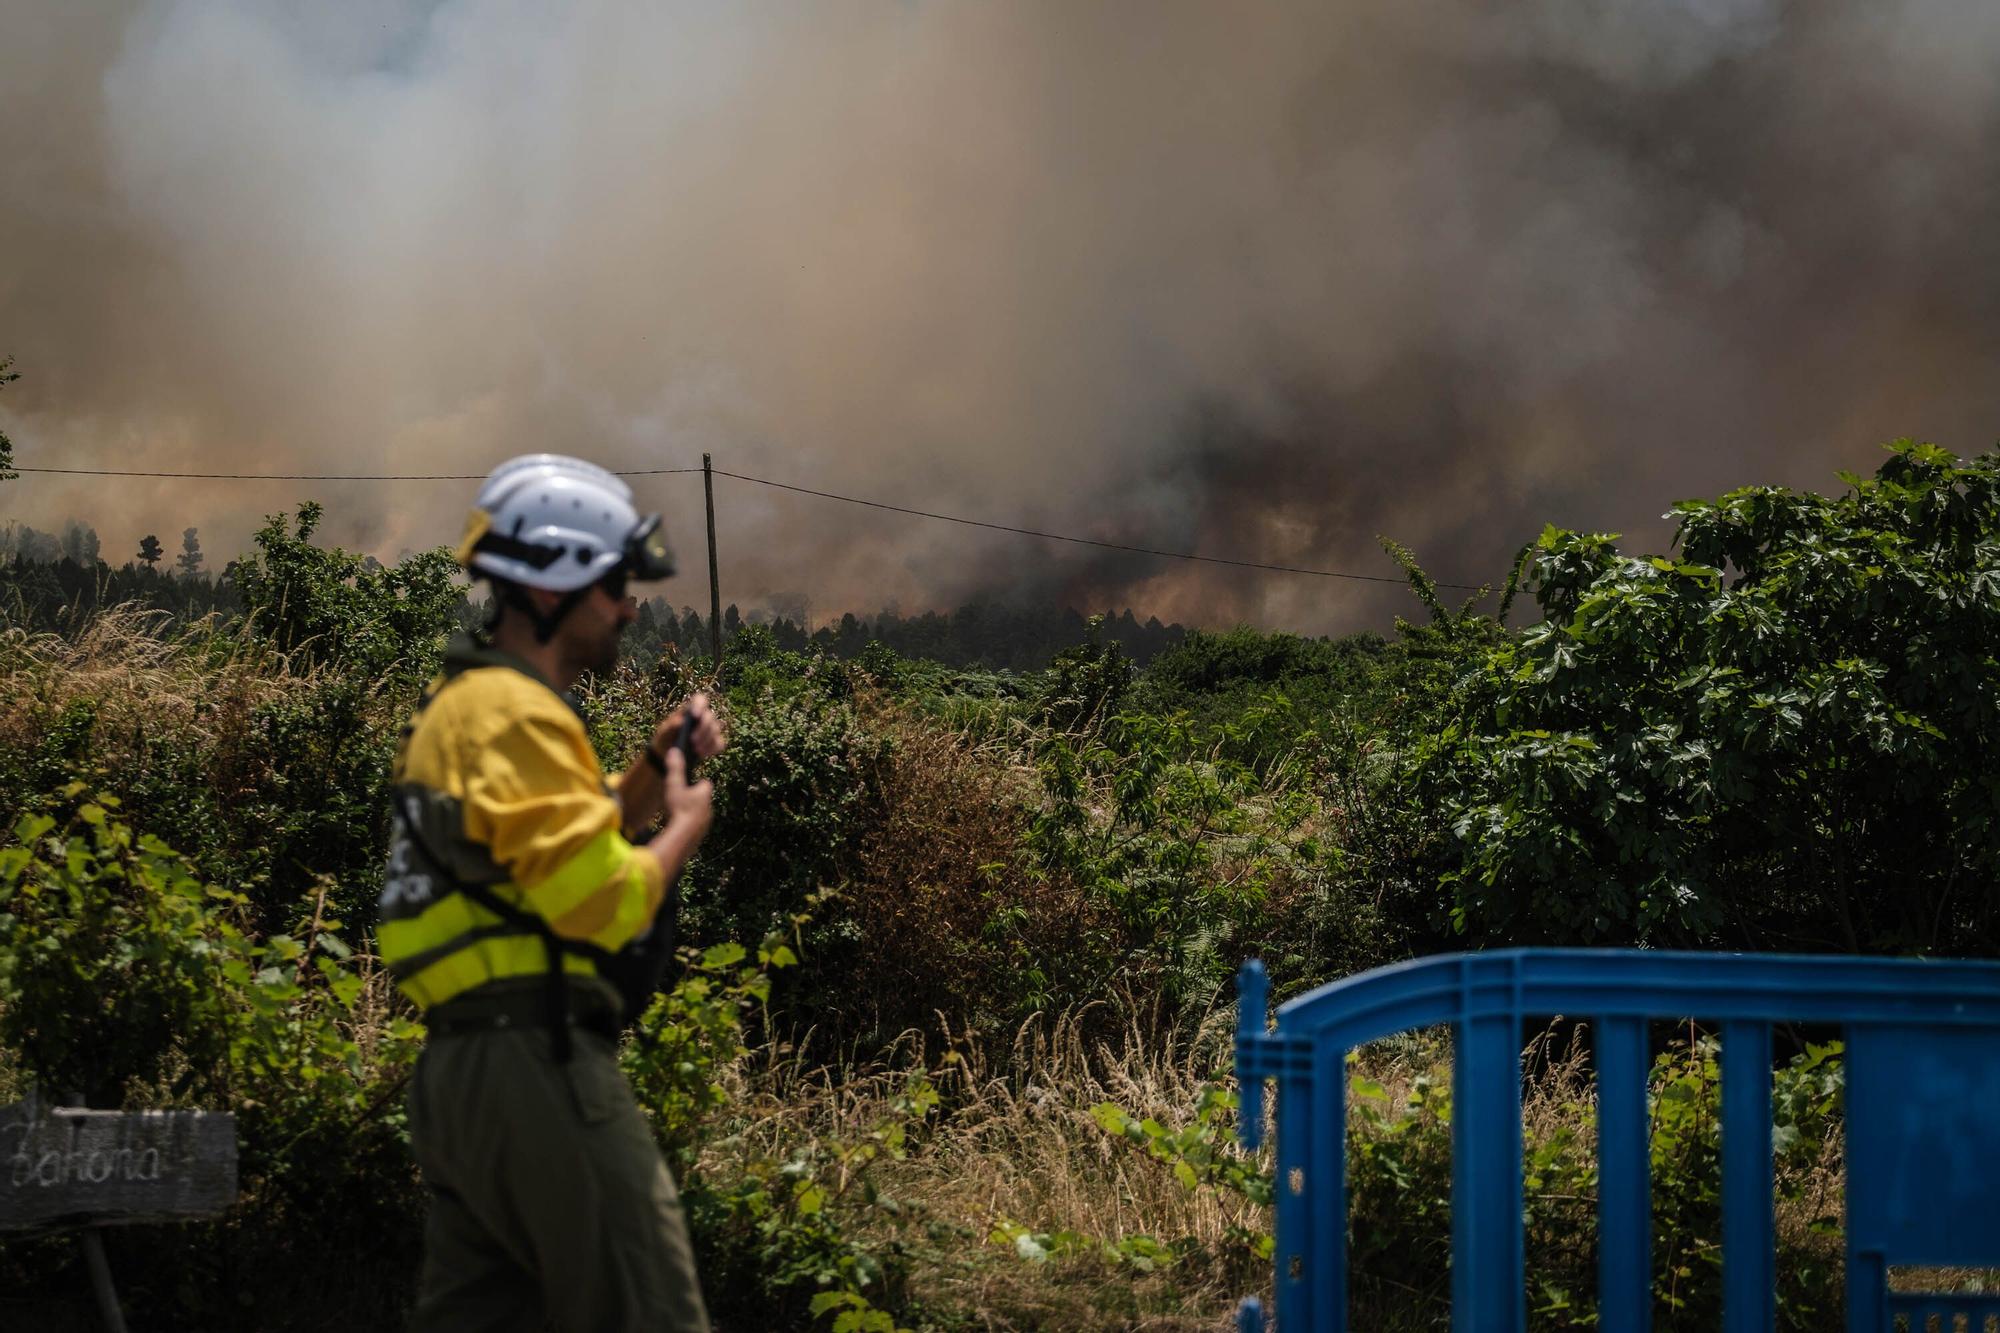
794, 792
110, 951
775, 1236
693, 1034
125, 977
1144, 827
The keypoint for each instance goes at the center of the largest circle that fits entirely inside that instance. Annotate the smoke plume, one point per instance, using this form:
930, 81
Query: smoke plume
1260, 282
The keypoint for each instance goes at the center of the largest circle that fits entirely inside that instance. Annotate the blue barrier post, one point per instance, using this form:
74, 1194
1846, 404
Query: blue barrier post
1624, 1179
1749, 1241
1322, 1294
1487, 1295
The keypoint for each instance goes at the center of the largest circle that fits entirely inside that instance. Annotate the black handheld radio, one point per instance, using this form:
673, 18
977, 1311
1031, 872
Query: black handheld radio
637, 969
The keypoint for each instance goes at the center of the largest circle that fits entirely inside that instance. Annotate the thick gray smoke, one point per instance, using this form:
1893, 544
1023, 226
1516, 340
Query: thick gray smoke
1256, 281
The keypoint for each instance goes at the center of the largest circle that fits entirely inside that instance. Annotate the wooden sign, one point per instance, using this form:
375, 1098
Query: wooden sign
59, 1164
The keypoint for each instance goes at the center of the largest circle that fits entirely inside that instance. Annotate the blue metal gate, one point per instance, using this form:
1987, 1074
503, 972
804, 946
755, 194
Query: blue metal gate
1922, 1121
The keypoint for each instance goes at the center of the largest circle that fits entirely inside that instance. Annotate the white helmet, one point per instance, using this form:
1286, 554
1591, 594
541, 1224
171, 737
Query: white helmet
550, 521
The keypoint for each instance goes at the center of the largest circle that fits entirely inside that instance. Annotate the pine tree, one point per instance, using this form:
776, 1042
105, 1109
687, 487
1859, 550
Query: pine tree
79, 543
852, 636
189, 562
150, 550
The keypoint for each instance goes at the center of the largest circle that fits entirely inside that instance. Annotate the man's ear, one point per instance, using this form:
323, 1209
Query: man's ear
543, 600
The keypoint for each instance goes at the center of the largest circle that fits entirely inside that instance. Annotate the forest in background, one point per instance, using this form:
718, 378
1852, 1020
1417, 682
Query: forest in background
56, 580
949, 1049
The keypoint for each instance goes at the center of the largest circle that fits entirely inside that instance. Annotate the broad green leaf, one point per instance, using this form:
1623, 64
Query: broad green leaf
727, 954
1110, 1117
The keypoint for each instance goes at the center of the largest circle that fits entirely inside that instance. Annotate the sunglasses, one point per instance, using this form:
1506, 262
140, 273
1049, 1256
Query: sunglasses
614, 583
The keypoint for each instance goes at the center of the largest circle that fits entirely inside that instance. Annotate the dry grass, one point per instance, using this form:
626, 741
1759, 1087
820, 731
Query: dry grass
1016, 1143
144, 680
947, 919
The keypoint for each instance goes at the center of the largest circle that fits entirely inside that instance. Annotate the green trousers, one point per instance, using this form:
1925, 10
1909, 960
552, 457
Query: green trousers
550, 1206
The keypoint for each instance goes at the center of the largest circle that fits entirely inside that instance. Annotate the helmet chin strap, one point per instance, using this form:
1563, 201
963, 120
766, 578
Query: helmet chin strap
515, 596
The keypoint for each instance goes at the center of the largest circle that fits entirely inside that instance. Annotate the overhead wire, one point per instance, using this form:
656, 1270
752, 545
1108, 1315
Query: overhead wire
313, 476
1086, 541
778, 485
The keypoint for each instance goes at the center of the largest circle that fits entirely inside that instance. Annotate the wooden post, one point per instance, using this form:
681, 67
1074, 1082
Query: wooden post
100, 1281
108, 1308
714, 580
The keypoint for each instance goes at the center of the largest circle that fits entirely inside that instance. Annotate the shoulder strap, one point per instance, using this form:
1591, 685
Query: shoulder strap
556, 986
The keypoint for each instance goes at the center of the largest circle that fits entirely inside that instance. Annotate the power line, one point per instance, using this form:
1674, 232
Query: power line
779, 485
314, 476
1087, 541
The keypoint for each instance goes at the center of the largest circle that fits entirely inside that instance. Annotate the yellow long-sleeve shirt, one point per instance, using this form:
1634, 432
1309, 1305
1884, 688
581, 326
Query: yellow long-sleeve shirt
496, 785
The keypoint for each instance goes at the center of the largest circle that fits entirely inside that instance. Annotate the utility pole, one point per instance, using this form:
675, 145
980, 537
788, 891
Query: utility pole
714, 581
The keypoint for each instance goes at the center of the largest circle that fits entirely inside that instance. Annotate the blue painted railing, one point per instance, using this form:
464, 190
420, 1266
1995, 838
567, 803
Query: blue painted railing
1922, 1121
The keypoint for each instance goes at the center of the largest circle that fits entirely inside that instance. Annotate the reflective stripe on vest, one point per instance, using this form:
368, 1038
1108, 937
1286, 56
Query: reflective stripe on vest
438, 943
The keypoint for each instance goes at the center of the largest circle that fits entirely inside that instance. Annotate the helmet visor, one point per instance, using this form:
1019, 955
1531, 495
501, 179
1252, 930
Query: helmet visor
646, 553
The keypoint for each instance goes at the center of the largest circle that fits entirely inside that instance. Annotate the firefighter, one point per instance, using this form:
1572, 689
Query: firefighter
514, 892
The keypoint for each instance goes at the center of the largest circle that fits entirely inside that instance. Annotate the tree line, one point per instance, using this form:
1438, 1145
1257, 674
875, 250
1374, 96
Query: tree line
79, 544
50, 581
983, 633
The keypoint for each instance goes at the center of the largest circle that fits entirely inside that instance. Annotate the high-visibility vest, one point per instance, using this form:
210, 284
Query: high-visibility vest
506, 856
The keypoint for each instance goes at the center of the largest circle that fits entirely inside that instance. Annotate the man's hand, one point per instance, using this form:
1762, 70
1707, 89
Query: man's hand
690, 807
709, 739
642, 787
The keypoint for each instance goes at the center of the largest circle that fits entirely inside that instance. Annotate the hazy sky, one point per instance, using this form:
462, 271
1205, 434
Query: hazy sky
1259, 281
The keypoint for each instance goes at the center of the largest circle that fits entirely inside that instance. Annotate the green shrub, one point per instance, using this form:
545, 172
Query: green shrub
775, 1235
269, 773
692, 1035
125, 977
1399, 1188
344, 610
793, 790
1086, 684
1785, 738
1203, 1155
113, 958
776, 1239
1146, 828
